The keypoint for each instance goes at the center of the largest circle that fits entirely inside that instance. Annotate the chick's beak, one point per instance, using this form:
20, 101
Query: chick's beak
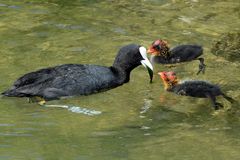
151, 50
161, 75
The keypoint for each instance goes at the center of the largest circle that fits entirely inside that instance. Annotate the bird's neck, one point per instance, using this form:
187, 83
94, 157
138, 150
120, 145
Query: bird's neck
121, 73
168, 86
163, 57
166, 54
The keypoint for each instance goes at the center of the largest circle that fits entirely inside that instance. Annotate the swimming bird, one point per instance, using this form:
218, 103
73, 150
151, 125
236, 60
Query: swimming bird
162, 54
80, 79
193, 88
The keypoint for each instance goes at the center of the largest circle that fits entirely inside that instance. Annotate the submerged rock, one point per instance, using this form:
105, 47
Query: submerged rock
228, 47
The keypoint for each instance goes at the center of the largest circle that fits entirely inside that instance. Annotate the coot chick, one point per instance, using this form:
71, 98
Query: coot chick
201, 89
80, 79
161, 53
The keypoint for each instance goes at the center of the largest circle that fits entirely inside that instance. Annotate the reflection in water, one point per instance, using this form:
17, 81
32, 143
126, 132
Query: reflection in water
147, 104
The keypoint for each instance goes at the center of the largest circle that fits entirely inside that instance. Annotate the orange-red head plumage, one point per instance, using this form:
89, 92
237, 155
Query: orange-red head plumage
159, 47
169, 79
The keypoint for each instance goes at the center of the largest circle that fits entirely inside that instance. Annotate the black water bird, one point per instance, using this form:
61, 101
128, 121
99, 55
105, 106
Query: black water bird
193, 88
80, 79
162, 54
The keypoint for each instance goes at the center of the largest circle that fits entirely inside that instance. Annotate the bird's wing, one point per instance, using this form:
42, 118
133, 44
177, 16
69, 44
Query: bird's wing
35, 78
186, 52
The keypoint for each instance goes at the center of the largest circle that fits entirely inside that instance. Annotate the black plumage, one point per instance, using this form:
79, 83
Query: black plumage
78, 79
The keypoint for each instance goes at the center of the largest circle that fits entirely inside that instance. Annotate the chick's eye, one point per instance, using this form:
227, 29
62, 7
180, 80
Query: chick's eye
171, 73
157, 47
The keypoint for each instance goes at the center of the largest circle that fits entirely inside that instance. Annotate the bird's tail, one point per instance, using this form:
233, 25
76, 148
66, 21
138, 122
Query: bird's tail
231, 100
12, 93
5, 93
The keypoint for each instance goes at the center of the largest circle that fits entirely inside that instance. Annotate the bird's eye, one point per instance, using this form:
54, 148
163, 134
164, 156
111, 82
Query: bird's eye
171, 73
157, 47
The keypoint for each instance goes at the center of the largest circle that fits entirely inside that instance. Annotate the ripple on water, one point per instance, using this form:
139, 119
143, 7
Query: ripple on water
41, 124
6, 124
6, 157
44, 34
27, 129
76, 109
185, 19
15, 135
69, 26
36, 115
119, 30
103, 133
77, 49
219, 129
147, 134
14, 7
146, 106
145, 127
39, 12
4, 146
2, 5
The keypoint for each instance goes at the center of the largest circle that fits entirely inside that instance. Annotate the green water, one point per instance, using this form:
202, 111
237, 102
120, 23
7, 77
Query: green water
138, 120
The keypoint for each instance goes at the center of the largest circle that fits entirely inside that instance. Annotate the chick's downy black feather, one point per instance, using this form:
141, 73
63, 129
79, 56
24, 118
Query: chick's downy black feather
199, 89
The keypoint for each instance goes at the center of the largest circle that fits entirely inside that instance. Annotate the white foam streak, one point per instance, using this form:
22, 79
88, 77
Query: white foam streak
76, 109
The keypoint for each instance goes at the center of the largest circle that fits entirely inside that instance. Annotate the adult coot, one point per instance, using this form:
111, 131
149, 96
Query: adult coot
80, 79
201, 89
162, 54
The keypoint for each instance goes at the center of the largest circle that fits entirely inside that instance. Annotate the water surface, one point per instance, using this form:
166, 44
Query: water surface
138, 120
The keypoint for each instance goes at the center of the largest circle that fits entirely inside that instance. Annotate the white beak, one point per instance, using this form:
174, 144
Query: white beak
145, 62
